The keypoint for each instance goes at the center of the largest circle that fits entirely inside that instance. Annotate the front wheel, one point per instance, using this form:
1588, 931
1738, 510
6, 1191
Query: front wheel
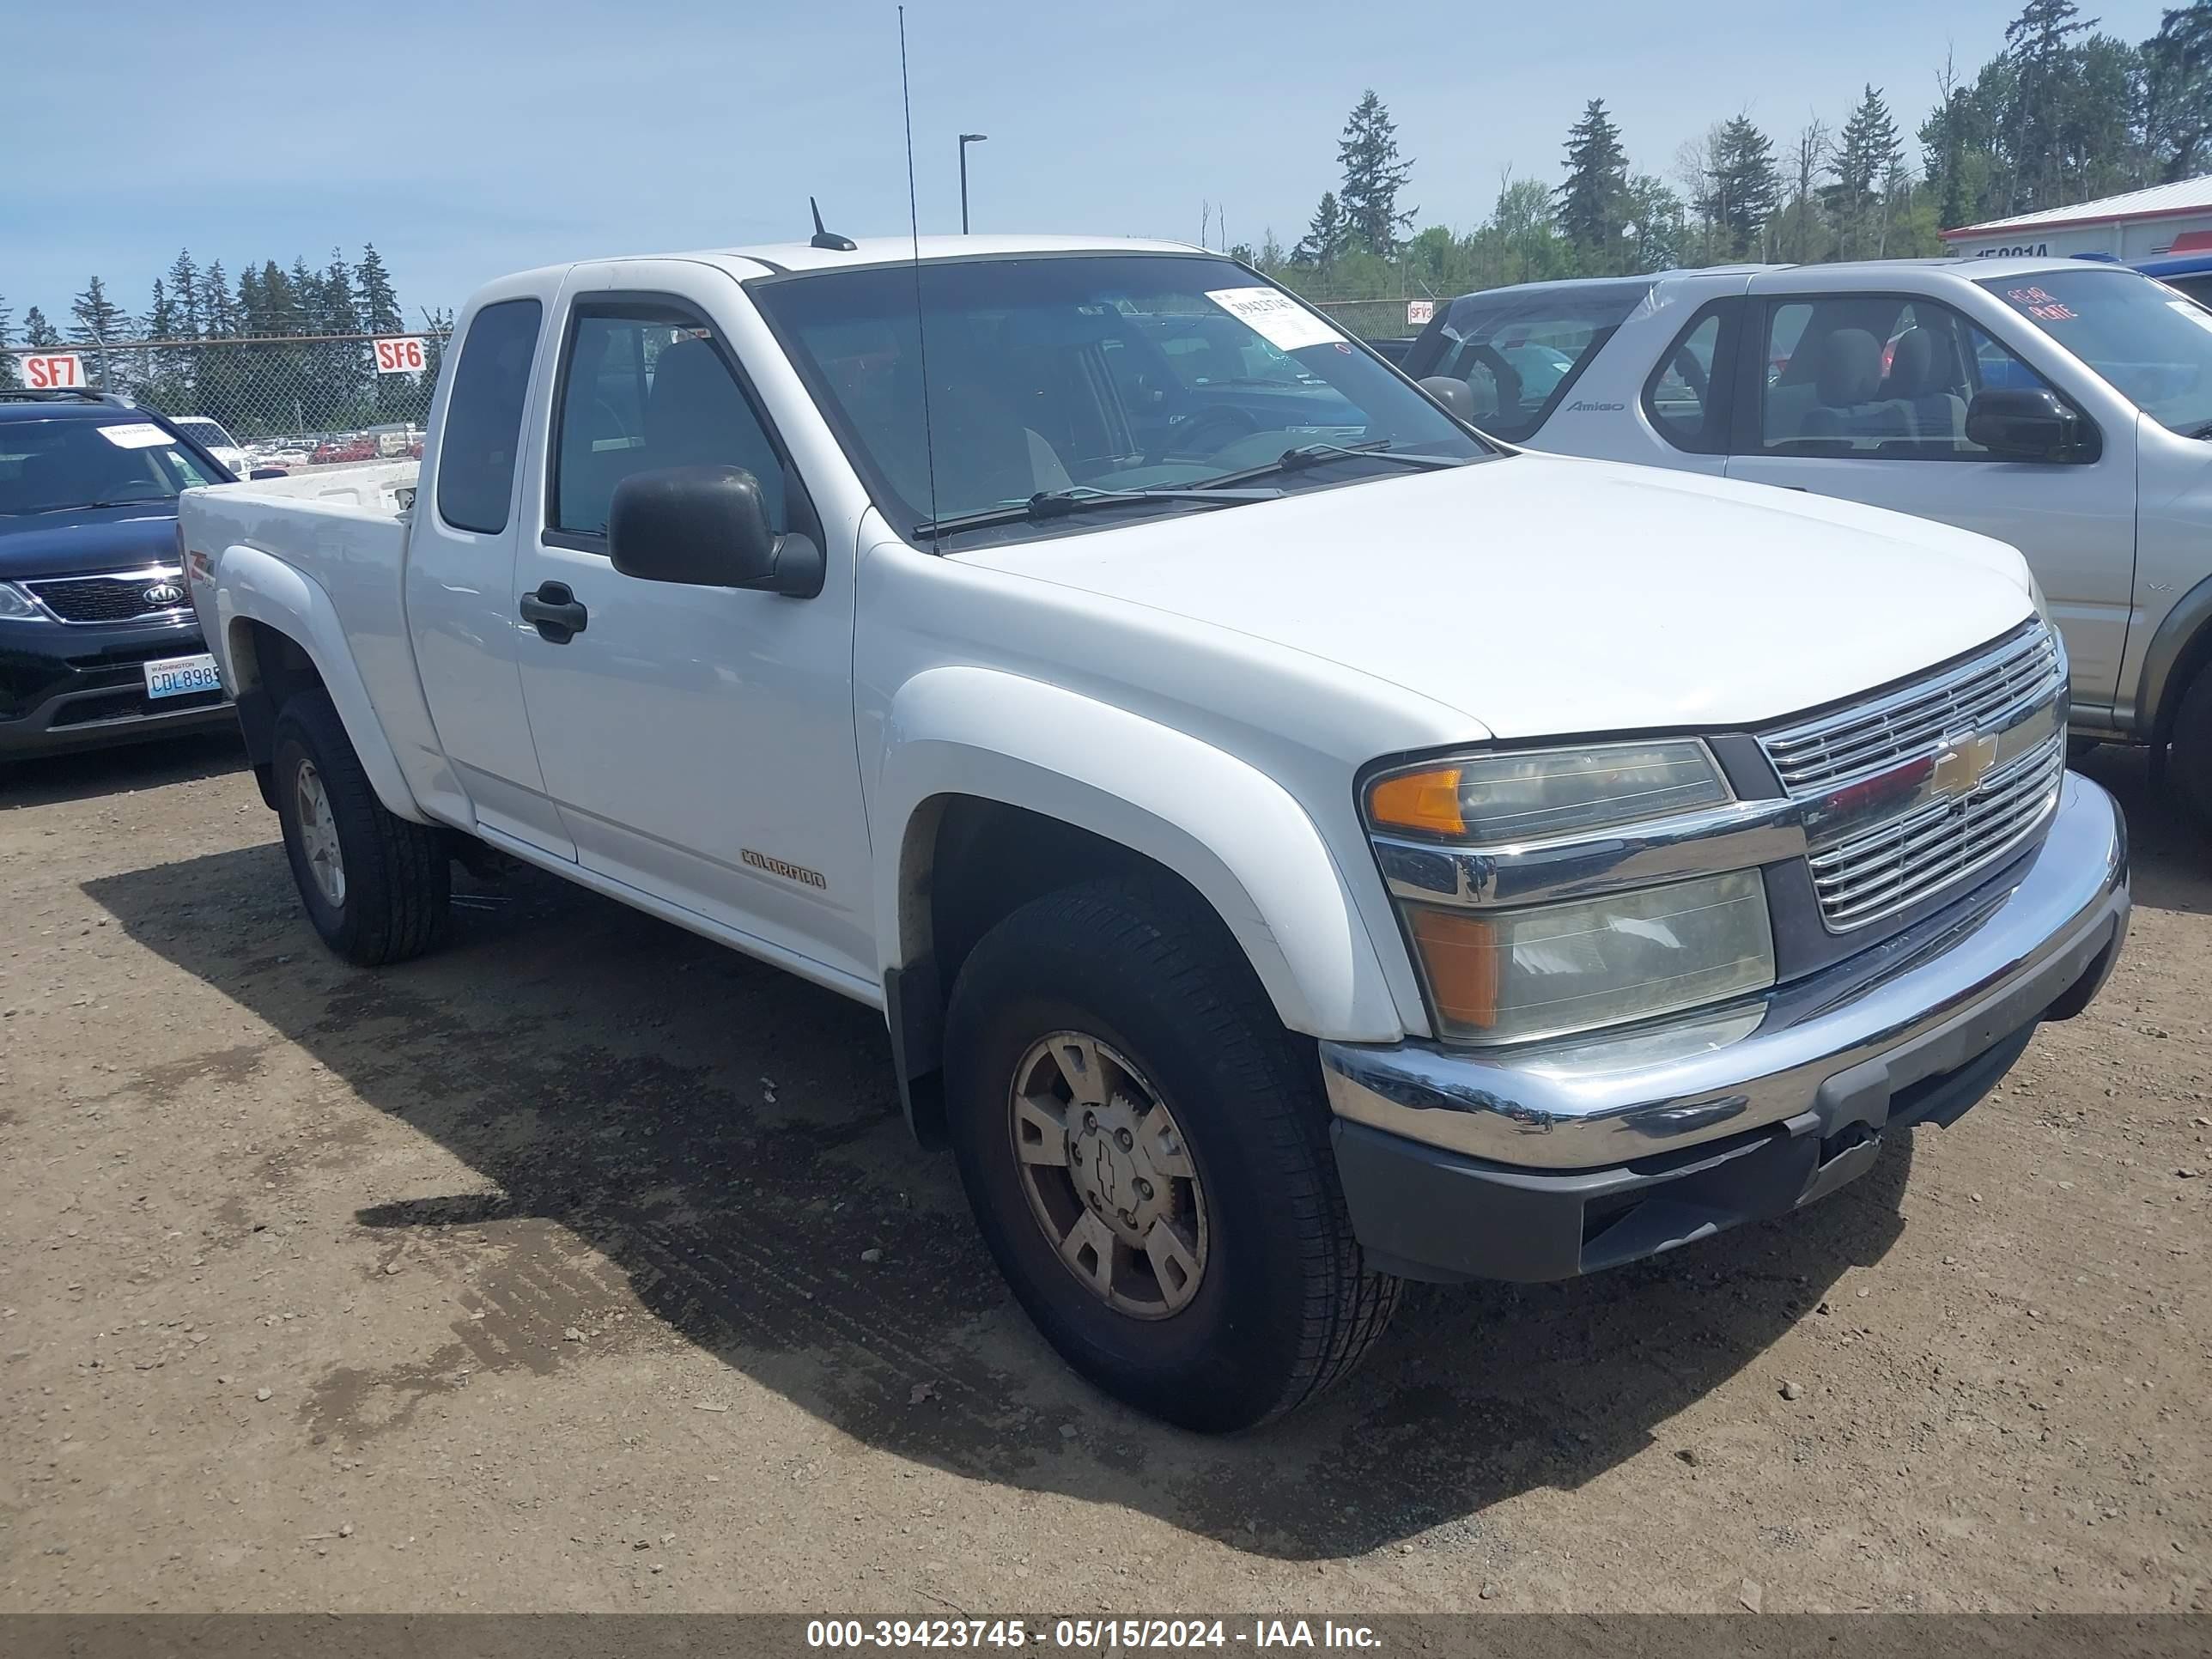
1146, 1151
376, 887
2188, 762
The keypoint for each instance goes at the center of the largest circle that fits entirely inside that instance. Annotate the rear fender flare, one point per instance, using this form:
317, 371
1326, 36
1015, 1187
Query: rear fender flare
255, 586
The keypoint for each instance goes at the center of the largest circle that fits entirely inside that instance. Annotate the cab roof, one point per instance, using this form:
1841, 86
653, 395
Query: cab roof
18, 404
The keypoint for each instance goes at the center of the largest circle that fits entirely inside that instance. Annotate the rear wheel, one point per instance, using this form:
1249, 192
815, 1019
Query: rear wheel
375, 886
1146, 1151
2188, 762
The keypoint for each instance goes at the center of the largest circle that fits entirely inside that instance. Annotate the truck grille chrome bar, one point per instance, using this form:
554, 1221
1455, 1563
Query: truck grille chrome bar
1982, 747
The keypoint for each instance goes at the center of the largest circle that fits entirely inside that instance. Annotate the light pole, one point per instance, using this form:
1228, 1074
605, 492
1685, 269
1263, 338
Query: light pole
966, 139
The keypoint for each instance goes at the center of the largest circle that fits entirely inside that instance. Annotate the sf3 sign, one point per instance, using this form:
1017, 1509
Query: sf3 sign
400, 353
52, 371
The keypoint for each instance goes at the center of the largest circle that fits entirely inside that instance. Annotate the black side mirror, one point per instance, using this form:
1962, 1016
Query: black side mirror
706, 526
268, 472
1452, 393
2029, 423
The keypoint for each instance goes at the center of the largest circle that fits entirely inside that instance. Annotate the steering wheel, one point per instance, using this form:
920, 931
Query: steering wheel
1222, 424
1694, 375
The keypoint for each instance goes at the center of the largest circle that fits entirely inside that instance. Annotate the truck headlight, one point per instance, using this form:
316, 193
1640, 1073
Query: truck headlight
16, 605
1486, 800
1504, 975
1499, 973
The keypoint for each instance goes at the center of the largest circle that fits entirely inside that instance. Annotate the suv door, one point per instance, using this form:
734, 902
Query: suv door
697, 740
1863, 395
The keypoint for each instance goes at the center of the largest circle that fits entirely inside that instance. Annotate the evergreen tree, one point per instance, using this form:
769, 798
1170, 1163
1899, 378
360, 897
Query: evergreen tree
1325, 236
252, 304
2039, 46
37, 333
1866, 156
1743, 186
98, 318
184, 294
1373, 176
378, 303
2176, 65
218, 311
7, 357
1594, 200
337, 313
161, 322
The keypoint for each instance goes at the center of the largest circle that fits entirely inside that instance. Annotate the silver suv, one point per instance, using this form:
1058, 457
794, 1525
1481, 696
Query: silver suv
2061, 405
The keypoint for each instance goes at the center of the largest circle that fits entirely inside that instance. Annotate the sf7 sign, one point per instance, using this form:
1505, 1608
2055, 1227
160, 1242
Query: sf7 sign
400, 353
52, 371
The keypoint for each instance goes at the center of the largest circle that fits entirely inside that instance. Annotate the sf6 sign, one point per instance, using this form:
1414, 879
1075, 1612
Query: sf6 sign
52, 371
400, 354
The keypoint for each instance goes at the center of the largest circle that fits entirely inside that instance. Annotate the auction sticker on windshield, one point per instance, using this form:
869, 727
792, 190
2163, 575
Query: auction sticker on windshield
139, 435
1278, 319
181, 677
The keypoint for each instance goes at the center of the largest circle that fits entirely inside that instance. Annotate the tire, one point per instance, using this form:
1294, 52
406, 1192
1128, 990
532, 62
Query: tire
2189, 761
389, 898
1282, 1305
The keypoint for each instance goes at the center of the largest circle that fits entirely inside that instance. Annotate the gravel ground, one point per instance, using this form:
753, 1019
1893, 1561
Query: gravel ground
587, 1265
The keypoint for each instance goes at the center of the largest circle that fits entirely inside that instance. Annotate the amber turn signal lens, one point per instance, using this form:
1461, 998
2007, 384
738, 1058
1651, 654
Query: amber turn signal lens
1427, 801
1460, 955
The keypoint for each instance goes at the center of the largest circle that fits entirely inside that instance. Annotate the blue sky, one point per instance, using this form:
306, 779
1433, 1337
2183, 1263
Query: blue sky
469, 139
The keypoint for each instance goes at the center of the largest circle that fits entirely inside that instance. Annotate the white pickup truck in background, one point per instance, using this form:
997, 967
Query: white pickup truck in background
1296, 844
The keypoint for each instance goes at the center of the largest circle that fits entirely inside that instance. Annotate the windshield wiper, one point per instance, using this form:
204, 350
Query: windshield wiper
1310, 455
1063, 503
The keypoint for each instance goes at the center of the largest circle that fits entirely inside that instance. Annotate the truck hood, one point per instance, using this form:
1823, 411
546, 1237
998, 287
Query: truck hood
1544, 596
83, 539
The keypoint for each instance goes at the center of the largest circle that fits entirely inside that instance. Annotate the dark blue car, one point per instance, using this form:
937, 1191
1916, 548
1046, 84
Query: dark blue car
98, 643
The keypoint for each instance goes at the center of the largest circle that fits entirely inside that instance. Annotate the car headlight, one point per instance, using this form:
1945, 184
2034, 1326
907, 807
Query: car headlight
16, 605
1502, 974
2042, 605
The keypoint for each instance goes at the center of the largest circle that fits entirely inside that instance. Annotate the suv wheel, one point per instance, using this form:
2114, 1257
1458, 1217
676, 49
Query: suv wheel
1146, 1151
376, 887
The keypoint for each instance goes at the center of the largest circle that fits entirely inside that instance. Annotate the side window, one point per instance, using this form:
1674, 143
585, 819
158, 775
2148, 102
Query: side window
642, 387
1880, 377
1683, 398
483, 417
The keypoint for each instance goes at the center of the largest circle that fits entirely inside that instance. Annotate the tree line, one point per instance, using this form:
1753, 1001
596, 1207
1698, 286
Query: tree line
2062, 113
246, 350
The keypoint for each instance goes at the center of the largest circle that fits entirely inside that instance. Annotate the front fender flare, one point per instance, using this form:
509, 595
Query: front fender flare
1228, 830
255, 586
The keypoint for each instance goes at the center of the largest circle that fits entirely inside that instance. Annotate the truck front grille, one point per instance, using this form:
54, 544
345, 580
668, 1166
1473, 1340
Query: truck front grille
139, 595
1857, 742
2004, 706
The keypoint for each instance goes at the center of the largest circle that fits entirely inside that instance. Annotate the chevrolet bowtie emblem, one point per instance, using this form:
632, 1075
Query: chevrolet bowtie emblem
1963, 761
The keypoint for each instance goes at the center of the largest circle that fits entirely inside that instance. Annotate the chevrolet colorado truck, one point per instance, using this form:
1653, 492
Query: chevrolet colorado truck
1298, 844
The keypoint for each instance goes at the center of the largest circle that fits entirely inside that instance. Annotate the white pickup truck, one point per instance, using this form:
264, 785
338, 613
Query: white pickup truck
1297, 843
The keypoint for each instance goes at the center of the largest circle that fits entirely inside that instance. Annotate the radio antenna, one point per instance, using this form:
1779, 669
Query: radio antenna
913, 232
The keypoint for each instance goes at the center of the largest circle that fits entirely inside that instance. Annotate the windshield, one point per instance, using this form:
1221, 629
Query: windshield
2153, 346
207, 431
1107, 372
48, 465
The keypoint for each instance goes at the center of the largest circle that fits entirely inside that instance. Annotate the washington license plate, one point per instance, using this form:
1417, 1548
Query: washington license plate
181, 677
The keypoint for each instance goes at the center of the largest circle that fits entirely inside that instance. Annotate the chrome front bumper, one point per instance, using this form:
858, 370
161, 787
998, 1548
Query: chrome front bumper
1816, 1054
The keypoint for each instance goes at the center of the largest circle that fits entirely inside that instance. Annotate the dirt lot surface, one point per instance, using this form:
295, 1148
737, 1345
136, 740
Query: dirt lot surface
544, 1273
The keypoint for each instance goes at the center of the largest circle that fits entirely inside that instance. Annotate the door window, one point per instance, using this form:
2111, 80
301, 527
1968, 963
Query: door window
483, 417
1683, 398
642, 387
1877, 376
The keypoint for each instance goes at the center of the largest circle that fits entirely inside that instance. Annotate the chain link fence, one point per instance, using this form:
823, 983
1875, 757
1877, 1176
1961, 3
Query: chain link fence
1371, 319
287, 400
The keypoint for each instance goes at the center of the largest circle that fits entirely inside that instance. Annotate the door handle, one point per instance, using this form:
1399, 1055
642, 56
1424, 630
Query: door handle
554, 612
